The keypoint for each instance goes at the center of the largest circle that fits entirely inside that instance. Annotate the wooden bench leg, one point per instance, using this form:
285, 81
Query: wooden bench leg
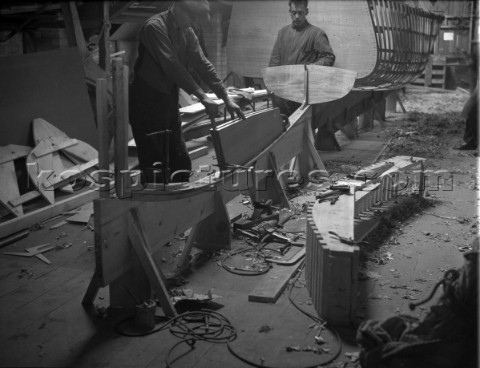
92, 290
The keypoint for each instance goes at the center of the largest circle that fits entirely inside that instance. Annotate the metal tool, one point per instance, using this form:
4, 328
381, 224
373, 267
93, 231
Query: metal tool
305, 85
166, 144
346, 240
34, 251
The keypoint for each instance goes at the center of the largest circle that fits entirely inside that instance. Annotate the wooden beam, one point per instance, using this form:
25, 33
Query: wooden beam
273, 284
140, 244
120, 80
103, 137
42, 214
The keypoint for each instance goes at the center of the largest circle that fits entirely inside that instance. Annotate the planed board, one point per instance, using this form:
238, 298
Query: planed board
272, 286
324, 83
254, 26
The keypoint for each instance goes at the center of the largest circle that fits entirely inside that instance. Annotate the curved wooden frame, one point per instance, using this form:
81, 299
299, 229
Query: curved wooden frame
405, 39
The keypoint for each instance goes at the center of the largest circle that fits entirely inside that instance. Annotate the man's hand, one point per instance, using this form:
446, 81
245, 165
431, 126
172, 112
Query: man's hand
233, 108
211, 108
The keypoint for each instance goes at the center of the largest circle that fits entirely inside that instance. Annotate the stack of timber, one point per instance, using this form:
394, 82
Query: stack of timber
332, 266
48, 85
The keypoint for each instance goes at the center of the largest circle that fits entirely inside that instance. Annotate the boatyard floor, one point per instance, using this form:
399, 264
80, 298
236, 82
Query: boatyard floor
45, 325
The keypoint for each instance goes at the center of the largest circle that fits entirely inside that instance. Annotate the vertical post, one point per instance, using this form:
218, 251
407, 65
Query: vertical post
104, 45
103, 138
74, 28
120, 103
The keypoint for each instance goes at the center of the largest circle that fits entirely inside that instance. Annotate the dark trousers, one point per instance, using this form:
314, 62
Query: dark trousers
151, 111
471, 124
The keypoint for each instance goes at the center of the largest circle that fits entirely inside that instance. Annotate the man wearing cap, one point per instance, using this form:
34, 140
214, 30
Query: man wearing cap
168, 47
300, 43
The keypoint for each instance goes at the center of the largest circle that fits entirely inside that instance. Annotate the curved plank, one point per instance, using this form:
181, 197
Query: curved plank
80, 152
324, 83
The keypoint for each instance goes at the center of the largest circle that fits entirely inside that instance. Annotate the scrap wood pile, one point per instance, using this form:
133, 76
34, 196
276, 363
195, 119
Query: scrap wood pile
45, 177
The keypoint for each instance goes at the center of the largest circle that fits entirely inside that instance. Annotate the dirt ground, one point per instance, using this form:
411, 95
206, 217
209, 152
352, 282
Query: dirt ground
411, 250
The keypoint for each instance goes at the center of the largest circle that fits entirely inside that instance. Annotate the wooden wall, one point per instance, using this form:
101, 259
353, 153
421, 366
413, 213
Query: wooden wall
49, 85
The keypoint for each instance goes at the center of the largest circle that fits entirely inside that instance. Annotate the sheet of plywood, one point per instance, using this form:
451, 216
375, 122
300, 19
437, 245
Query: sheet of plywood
254, 26
47, 84
324, 83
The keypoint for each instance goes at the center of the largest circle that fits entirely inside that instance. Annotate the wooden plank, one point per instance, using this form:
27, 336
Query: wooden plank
9, 187
274, 283
198, 152
47, 146
256, 132
69, 174
140, 244
324, 83
24, 198
13, 152
162, 221
103, 137
254, 26
120, 87
42, 214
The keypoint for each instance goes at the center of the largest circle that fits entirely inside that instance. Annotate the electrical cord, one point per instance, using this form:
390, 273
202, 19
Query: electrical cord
259, 254
188, 326
314, 318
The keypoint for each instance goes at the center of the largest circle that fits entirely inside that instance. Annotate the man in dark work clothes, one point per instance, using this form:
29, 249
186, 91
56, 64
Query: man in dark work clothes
168, 47
300, 43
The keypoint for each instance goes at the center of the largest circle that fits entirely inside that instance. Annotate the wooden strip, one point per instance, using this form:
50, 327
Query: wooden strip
47, 146
122, 186
68, 175
198, 152
103, 137
13, 152
31, 218
26, 197
140, 244
274, 283
9, 187
324, 83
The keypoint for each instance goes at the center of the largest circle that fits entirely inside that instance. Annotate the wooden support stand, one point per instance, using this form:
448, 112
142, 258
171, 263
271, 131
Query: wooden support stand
248, 161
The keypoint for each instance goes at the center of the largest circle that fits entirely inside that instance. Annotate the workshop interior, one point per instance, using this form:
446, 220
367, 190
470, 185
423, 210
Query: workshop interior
238, 183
